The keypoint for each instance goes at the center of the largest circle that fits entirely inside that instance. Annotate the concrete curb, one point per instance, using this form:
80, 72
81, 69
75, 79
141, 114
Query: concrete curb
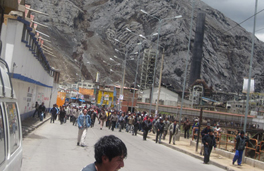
191, 154
27, 130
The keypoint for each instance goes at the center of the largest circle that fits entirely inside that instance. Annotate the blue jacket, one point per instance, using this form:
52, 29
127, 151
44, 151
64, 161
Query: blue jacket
81, 119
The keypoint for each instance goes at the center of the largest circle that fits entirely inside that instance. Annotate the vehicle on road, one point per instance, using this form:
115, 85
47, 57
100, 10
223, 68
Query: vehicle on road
10, 124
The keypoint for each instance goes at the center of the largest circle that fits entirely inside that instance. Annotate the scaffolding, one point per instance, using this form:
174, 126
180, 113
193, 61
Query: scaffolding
148, 65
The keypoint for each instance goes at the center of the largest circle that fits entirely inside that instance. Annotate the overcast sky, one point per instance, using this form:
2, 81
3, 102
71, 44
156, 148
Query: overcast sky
239, 10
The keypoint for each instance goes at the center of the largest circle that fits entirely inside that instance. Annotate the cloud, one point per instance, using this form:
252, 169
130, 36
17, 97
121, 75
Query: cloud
239, 10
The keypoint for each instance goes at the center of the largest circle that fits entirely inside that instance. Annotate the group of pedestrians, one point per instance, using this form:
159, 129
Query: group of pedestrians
134, 122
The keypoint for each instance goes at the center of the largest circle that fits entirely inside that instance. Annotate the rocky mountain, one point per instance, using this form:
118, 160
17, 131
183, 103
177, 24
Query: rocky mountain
82, 34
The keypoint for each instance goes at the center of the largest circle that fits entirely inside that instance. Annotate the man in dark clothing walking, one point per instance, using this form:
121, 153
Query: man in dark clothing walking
186, 126
209, 142
53, 112
204, 132
160, 128
147, 125
241, 140
42, 110
36, 109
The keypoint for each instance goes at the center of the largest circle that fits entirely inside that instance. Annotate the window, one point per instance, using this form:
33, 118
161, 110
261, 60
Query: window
89, 85
13, 123
2, 138
84, 85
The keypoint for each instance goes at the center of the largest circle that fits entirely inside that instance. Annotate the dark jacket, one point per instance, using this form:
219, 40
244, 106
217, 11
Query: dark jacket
160, 126
62, 114
187, 125
205, 131
147, 125
210, 140
42, 108
241, 142
53, 111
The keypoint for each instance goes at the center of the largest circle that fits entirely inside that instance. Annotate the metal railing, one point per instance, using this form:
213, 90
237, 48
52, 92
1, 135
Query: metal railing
260, 150
229, 140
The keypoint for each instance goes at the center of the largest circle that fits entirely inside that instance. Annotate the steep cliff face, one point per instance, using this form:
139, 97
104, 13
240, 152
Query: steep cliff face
85, 30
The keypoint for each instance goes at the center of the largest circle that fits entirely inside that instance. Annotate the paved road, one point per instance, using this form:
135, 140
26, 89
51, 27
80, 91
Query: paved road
52, 147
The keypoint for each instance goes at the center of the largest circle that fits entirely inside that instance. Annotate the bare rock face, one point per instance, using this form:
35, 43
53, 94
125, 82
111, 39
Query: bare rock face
84, 31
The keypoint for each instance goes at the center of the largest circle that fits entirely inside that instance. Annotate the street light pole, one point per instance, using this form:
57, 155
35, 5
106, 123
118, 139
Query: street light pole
123, 78
250, 67
156, 57
186, 63
136, 75
161, 68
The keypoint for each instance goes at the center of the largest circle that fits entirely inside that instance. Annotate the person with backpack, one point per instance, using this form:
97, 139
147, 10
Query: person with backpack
241, 140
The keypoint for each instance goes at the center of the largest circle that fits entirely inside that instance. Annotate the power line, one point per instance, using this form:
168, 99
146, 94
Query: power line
245, 20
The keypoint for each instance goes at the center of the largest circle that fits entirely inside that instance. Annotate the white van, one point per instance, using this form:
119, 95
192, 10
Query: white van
10, 124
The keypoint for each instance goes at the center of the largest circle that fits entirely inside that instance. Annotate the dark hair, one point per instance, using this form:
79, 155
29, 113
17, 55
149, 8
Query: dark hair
109, 146
242, 132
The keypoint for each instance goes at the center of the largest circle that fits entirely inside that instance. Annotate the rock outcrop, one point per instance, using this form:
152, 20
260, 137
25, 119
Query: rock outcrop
84, 31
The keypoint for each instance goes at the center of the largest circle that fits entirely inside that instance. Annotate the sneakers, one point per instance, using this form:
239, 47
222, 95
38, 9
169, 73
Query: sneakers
83, 145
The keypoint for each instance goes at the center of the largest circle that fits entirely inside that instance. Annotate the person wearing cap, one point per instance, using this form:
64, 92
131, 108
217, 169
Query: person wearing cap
217, 131
204, 132
159, 128
173, 128
195, 126
241, 140
209, 142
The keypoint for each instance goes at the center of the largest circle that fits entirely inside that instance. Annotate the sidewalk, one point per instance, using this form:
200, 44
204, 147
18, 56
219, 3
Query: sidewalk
29, 124
184, 146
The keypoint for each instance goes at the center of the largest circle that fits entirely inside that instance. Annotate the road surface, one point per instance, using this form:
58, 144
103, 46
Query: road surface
53, 147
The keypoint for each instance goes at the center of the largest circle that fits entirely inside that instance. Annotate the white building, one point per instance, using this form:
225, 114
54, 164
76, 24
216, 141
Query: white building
87, 84
167, 97
32, 77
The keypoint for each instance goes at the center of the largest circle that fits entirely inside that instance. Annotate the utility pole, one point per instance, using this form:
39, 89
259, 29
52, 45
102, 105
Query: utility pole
160, 78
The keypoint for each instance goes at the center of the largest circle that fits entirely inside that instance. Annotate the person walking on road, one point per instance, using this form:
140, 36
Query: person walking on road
74, 115
160, 128
113, 119
62, 115
186, 126
135, 125
84, 122
146, 125
53, 112
36, 109
204, 132
241, 140
209, 142
42, 110
173, 128
109, 154
121, 121
102, 118
166, 127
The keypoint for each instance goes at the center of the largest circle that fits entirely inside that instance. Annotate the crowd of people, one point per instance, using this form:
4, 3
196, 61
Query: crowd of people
85, 117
